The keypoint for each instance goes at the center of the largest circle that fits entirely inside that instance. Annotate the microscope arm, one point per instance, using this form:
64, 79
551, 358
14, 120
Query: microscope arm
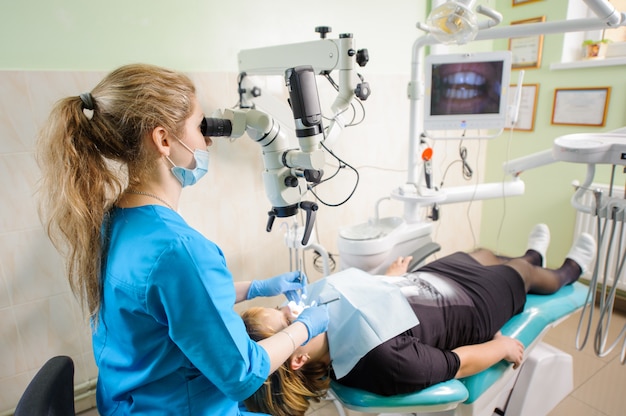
324, 56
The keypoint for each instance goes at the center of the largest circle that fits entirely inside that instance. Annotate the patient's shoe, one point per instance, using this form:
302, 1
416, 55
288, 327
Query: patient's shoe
539, 240
583, 251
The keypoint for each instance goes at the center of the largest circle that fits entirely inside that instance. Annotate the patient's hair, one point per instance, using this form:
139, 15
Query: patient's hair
286, 392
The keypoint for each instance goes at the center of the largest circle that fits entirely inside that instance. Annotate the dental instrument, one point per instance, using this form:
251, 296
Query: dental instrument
591, 149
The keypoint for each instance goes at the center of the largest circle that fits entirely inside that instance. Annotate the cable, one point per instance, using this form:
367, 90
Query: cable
318, 262
382, 168
502, 218
467, 170
352, 122
471, 201
342, 164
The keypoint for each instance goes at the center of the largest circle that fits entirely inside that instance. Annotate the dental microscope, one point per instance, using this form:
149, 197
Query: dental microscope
285, 167
289, 171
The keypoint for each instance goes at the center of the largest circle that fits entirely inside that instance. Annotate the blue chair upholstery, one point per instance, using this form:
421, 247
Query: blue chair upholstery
540, 313
440, 397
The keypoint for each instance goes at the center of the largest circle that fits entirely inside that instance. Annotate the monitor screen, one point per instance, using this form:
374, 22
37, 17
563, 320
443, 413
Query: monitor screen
466, 91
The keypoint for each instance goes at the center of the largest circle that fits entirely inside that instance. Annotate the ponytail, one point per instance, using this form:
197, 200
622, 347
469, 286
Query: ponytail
79, 187
91, 147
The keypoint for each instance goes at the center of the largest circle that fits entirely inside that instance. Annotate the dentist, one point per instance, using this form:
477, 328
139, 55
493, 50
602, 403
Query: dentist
160, 296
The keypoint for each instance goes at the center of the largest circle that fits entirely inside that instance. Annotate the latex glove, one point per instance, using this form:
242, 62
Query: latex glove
283, 283
298, 296
315, 318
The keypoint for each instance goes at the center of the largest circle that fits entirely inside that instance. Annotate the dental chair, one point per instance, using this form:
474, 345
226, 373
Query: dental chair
542, 381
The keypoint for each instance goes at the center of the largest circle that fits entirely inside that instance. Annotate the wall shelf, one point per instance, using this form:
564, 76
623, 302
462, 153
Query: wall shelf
589, 63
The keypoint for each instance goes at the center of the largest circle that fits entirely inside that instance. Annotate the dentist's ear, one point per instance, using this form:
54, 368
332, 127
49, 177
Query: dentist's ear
160, 139
298, 360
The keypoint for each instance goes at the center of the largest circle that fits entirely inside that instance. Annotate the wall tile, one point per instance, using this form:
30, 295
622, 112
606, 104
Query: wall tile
12, 360
47, 328
16, 124
33, 267
46, 88
12, 388
19, 174
5, 299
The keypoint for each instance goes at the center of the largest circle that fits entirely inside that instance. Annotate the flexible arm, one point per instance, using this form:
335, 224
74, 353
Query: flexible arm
479, 357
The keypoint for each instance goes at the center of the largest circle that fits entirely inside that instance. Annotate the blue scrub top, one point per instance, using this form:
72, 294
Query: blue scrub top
167, 339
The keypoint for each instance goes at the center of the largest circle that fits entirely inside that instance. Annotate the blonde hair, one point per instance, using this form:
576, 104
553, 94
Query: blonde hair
88, 160
286, 392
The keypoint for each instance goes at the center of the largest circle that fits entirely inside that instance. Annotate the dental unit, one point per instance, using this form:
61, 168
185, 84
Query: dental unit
609, 211
546, 376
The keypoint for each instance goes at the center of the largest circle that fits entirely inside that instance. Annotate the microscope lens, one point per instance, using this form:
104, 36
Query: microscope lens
216, 127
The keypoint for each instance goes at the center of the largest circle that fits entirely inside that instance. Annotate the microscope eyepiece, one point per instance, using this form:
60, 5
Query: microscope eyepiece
216, 127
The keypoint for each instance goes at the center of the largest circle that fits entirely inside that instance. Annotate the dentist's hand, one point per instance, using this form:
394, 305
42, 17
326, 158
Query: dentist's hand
287, 283
315, 318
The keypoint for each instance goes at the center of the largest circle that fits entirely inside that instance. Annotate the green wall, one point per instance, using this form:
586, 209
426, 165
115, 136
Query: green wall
194, 35
85, 35
548, 188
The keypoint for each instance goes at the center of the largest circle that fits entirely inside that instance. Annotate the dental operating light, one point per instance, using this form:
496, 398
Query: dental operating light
453, 22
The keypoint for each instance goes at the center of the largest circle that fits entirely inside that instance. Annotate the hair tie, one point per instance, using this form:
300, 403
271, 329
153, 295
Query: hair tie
88, 105
87, 100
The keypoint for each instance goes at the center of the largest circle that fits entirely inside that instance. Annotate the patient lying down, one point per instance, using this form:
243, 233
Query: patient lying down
458, 304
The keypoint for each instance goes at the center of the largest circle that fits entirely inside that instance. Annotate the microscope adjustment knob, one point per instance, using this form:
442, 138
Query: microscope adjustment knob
323, 30
362, 91
291, 181
362, 57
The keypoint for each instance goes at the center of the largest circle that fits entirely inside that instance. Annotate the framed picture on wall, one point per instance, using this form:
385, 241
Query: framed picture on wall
527, 106
581, 106
526, 50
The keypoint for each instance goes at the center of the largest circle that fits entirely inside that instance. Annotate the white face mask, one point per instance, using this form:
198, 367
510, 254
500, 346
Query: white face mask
188, 177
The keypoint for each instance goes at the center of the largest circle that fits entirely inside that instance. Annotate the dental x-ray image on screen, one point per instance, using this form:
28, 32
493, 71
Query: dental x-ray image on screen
466, 91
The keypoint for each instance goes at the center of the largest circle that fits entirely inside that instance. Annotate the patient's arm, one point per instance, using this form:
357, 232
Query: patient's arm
479, 357
399, 266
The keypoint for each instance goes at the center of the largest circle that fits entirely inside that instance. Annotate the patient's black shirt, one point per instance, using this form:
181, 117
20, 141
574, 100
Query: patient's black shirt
458, 302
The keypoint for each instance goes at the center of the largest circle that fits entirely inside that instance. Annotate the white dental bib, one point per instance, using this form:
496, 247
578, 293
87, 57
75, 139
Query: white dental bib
364, 312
